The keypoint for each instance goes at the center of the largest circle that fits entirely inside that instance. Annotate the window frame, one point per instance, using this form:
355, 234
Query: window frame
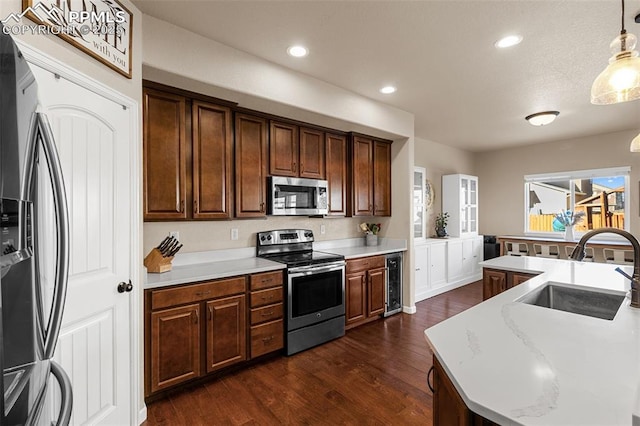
623, 171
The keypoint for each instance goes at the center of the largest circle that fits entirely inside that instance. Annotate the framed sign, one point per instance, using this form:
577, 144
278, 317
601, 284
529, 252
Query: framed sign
100, 28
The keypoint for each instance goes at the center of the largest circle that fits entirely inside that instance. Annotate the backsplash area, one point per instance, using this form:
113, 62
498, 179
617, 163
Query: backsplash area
216, 235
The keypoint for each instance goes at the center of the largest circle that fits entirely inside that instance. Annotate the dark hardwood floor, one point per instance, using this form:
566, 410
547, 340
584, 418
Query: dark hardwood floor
374, 375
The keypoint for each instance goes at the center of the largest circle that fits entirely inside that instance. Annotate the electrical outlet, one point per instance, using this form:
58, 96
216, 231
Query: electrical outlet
322, 229
175, 234
234, 234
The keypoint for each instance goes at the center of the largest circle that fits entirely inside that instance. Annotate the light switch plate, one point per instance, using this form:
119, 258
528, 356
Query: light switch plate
234, 234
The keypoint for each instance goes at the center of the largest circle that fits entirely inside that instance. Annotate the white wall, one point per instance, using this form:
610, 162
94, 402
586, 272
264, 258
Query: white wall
442, 160
501, 175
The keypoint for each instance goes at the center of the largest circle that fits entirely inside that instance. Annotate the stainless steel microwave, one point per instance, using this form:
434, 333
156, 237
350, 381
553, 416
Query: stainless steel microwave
297, 197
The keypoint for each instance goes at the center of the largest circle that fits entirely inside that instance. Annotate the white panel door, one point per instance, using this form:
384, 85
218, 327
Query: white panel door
93, 138
438, 270
454, 264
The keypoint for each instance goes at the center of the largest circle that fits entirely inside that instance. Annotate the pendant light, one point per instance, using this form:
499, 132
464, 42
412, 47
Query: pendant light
620, 81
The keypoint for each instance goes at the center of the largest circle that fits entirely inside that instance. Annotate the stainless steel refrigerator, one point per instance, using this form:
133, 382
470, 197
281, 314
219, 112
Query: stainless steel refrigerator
34, 257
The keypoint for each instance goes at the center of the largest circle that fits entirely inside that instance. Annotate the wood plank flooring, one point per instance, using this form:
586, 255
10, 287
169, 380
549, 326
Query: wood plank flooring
374, 375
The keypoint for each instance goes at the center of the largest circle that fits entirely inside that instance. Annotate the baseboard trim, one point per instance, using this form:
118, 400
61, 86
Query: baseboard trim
448, 287
409, 309
142, 414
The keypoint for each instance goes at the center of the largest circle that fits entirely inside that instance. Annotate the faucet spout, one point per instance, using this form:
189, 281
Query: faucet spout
578, 254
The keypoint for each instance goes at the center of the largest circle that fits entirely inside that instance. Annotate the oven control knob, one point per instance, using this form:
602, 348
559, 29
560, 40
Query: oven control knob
269, 237
262, 238
308, 234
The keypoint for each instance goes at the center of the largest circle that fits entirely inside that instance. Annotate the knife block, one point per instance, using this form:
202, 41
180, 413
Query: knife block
157, 263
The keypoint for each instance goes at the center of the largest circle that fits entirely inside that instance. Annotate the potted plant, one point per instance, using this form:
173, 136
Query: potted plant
441, 224
371, 233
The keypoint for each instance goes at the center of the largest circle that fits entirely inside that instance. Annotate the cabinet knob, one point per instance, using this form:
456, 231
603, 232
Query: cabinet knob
195, 206
261, 207
181, 206
294, 167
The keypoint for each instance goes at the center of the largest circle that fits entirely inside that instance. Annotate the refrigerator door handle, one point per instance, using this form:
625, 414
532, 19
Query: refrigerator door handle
62, 228
66, 394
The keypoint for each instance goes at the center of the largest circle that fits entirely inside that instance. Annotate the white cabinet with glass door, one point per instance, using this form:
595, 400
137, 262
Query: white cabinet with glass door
460, 200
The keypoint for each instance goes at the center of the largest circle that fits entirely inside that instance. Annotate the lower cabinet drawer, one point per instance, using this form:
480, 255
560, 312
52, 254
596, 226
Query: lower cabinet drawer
267, 338
266, 297
266, 313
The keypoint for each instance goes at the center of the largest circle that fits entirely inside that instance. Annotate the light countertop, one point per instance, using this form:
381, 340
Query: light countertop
515, 363
211, 265
554, 238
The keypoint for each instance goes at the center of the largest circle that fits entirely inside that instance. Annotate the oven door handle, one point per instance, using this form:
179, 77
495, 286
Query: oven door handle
315, 269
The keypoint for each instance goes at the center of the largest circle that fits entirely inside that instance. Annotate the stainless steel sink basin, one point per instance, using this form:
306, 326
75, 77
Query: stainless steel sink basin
593, 303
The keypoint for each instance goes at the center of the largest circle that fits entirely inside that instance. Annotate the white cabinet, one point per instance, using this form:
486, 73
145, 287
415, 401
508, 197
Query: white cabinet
460, 200
442, 265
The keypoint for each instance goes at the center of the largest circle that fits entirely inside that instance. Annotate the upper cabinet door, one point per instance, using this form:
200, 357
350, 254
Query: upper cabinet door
165, 164
336, 159
382, 179
362, 180
312, 154
251, 165
212, 141
283, 149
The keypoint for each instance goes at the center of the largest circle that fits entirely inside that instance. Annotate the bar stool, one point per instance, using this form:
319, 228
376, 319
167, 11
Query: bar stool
516, 249
588, 253
551, 251
618, 256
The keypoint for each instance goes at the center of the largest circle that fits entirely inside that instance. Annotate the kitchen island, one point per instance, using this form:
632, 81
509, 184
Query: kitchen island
516, 363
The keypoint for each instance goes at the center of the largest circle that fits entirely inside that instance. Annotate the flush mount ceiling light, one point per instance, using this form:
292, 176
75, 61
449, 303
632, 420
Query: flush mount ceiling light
635, 144
298, 51
620, 81
388, 89
508, 41
542, 118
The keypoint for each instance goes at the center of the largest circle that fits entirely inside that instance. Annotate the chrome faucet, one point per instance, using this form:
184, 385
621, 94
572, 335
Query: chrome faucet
578, 254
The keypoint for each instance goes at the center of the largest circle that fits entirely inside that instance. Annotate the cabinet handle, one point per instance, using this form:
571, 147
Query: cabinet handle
430, 375
203, 293
195, 206
267, 297
417, 269
195, 321
267, 339
261, 207
210, 313
181, 206
294, 167
264, 281
370, 206
267, 314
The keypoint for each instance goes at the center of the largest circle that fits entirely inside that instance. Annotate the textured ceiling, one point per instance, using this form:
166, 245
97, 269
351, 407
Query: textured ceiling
463, 91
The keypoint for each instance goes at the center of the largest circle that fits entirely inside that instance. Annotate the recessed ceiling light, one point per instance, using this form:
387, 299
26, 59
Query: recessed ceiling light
388, 89
542, 118
297, 51
508, 41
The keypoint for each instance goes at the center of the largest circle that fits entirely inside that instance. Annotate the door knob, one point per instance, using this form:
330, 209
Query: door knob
122, 287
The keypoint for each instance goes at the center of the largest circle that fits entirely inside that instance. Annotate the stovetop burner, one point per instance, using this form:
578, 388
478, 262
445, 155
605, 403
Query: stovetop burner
293, 247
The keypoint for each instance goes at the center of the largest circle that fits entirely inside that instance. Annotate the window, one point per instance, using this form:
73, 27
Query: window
419, 217
600, 197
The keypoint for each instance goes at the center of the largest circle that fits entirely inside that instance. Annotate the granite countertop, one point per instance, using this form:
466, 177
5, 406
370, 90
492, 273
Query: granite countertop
515, 363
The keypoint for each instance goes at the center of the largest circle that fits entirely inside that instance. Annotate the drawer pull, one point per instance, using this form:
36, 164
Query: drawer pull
267, 314
203, 293
267, 280
267, 297
267, 339
195, 319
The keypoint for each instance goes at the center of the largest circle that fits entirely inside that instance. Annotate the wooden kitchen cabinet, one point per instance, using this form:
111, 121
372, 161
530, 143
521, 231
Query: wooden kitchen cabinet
226, 333
192, 330
370, 176
495, 281
212, 144
176, 128
296, 151
365, 289
251, 165
267, 311
165, 155
175, 346
336, 173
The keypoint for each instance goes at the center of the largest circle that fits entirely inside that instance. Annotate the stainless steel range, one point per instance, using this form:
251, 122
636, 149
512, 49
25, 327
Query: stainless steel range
315, 287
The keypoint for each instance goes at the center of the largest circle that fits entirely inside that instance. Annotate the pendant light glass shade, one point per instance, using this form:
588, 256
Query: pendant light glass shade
620, 81
635, 144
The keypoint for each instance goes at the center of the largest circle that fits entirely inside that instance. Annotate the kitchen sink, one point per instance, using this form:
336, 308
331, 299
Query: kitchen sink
590, 302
